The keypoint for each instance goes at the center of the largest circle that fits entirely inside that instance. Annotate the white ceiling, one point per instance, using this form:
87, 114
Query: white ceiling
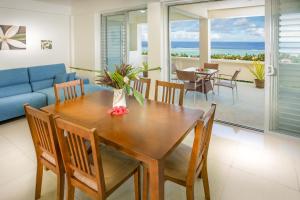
201, 9
69, 2
59, 2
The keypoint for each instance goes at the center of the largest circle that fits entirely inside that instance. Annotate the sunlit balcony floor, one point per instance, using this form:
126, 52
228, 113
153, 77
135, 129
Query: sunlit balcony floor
247, 108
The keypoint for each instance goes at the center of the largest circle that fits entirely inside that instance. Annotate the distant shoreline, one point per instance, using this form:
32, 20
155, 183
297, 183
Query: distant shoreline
215, 45
220, 49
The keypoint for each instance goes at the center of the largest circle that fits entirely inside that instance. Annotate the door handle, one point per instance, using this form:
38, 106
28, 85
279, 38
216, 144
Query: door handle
270, 70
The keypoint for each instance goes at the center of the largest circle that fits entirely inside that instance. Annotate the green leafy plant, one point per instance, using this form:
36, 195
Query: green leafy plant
121, 77
146, 66
258, 70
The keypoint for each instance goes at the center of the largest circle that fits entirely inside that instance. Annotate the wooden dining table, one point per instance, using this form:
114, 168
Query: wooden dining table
148, 133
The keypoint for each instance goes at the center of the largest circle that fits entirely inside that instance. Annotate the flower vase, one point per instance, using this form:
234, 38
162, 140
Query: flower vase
119, 98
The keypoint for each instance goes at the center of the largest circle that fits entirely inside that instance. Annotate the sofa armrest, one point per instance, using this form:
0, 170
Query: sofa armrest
85, 80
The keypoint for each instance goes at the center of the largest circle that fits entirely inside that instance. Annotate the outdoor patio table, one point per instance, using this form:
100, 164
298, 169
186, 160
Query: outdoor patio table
207, 73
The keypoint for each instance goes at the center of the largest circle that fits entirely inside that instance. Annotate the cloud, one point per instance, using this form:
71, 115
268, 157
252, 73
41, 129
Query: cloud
248, 29
184, 36
215, 36
240, 21
185, 25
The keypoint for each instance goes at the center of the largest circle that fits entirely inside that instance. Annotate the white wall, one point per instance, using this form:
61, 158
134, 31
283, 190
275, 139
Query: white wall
43, 21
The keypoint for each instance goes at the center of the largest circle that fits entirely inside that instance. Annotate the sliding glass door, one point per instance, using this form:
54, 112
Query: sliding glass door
114, 40
122, 37
284, 66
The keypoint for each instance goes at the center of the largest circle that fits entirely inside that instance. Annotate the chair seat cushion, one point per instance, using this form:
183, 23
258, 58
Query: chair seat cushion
177, 163
116, 167
12, 106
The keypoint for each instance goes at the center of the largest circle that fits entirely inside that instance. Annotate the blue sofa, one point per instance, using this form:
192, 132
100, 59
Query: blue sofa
33, 85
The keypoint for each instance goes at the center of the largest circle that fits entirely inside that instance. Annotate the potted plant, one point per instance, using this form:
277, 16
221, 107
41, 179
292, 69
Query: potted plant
258, 71
119, 80
146, 67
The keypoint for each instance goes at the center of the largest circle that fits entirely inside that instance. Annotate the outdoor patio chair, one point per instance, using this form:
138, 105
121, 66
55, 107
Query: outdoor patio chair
174, 77
212, 66
193, 82
229, 81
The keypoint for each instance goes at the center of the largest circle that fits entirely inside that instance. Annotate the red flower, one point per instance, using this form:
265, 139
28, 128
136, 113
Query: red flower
119, 110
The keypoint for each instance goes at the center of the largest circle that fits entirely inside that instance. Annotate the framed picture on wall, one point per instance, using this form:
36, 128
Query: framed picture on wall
12, 37
46, 44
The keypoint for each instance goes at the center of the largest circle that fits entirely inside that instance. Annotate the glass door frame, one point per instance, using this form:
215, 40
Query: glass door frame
271, 67
270, 80
104, 48
113, 13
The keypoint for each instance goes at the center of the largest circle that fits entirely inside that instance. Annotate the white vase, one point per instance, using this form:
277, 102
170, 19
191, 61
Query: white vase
119, 98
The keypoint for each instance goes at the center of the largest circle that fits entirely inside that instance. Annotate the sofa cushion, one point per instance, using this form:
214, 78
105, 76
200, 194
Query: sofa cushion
71, 76
15, 90
85, 80
39, 85
88, 88
13, 106
60, 78
45, 72
13, 77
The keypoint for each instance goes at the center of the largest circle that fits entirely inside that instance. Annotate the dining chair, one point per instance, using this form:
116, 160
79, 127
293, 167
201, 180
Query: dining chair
191, 81
46, 148
69, 89
142, 85
223, 81
173, 75
185, 164
194, 82
97, 173
168, 93
211, 66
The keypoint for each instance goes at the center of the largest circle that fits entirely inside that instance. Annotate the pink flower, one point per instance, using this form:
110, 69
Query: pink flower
119, 110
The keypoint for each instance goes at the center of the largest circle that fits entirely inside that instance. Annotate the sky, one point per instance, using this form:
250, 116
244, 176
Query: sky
228, 29
244, 29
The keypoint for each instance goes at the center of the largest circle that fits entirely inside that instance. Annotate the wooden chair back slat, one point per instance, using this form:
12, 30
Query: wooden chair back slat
42, 131
142, 85
169, 92
201, 144
47, 149
73, 140
69, 89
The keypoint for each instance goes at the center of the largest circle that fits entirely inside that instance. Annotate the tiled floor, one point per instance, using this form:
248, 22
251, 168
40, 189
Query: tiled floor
247, 110
243, 165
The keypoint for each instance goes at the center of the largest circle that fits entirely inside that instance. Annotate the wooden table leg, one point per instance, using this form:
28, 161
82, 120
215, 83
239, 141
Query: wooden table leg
156, 180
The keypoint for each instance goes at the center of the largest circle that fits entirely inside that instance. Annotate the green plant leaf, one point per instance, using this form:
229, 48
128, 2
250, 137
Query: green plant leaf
127, 89
258, 70
138, 96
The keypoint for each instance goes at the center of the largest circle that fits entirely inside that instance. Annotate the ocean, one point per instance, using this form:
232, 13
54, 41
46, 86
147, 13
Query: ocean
191, 48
